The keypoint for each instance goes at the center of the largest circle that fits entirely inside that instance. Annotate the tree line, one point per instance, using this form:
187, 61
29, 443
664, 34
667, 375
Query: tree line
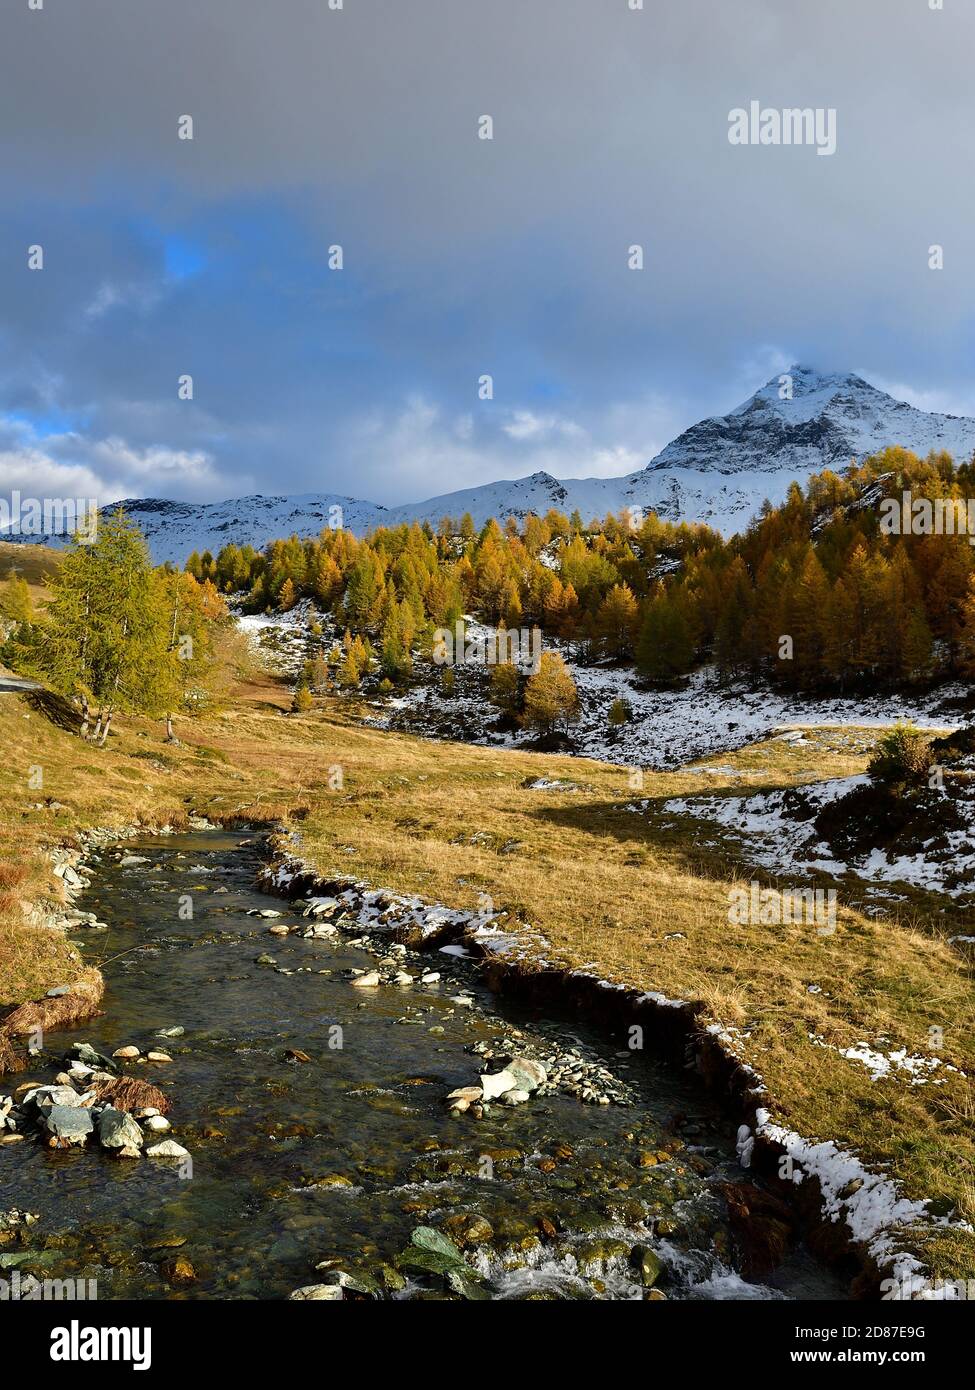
814, 594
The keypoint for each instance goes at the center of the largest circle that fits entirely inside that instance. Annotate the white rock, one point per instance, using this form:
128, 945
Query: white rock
367, 980
167, 1148
497, 1085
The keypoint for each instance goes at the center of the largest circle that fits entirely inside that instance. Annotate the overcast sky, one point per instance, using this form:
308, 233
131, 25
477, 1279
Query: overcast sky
315, 127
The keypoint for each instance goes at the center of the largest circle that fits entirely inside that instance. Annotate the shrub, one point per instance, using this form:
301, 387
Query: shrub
302, 701
620, 712
902, 755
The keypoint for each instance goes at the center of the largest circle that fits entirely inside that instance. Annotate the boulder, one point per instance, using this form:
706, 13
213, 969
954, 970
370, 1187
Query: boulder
88, 1057
516, 1097
528, 1073
329, 1291
178, 1269
466, 1228
468, 1093
47, 1096
469, 1285
69, 1123
369, 979
118, 1130
360, 1283
167, 1148
648, 1265
493, 1086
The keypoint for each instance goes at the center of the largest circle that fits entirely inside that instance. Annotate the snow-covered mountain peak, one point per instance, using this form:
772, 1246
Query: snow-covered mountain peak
803, 390
805, 420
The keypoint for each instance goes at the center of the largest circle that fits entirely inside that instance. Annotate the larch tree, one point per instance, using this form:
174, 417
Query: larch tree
15, 600
104, 641
504, 690
665, 648
616, 622
551, 698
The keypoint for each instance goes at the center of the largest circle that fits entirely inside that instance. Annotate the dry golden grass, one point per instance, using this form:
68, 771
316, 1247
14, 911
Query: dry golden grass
132, 1093
47, 1015
611, 889
33, 563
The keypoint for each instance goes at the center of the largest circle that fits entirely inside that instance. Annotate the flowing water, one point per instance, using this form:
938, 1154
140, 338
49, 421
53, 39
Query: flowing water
341, 1158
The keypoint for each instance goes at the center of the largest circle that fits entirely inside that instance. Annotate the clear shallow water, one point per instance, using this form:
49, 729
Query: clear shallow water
567, 1191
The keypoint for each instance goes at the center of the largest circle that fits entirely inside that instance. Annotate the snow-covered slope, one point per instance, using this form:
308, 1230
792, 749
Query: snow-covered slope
175, 529
719, 471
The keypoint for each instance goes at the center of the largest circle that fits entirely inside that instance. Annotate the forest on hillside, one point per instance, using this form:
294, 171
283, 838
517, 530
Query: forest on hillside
815, 594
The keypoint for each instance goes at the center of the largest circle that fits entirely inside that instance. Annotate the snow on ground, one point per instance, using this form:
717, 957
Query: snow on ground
778, 833
283, 640
918, 1070
871, 1204
668, 727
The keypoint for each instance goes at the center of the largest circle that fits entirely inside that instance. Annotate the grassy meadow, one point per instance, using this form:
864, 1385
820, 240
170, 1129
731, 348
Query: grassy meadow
608, 888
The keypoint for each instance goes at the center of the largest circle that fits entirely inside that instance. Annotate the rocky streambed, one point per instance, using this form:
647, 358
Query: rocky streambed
339, 1115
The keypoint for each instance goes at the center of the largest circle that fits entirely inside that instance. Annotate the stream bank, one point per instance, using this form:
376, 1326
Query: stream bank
322, 1171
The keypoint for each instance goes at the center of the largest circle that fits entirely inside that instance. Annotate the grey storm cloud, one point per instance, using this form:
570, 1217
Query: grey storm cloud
358, 126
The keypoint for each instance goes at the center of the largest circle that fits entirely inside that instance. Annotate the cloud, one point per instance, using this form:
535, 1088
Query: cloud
315, 127
954, 401
108, 296
70, 465
526, 425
